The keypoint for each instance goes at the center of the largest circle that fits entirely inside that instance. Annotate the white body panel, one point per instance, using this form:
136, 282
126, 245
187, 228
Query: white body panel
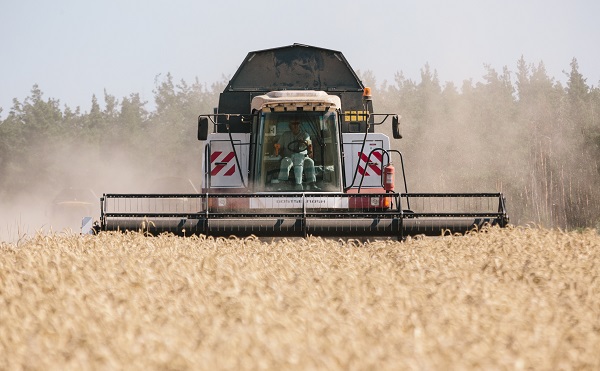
371, 167
297, 202
219, 167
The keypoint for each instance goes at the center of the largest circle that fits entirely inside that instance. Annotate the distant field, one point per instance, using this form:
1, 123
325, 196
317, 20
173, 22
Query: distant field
517, 298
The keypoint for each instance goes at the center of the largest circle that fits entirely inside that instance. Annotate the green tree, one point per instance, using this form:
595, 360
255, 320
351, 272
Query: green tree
577, 88
174, 123
41, 131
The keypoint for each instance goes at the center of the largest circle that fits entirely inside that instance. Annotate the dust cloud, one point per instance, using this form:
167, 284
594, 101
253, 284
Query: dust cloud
541, 163
55, 196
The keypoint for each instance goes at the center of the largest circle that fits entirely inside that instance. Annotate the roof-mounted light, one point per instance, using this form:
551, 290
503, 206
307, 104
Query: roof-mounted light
292, 100
367, 93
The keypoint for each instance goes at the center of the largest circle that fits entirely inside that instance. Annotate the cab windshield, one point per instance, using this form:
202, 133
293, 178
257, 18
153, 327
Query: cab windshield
298, 151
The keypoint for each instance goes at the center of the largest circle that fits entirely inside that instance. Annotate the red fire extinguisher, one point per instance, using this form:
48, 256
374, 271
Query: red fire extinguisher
388, 177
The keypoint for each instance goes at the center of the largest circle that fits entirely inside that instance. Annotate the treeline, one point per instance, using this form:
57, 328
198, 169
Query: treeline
517, 131
118, 144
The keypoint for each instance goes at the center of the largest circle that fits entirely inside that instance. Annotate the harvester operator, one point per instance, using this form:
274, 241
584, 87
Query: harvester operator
296, 148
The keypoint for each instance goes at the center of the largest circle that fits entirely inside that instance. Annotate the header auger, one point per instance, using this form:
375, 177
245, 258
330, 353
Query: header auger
292, 150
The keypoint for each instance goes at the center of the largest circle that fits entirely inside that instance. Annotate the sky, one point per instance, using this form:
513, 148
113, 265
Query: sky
74, 49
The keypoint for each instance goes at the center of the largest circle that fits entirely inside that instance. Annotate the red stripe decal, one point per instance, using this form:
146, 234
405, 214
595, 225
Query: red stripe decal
214, 156
363, 157
216, 170
375, 168
230, 171
228, 157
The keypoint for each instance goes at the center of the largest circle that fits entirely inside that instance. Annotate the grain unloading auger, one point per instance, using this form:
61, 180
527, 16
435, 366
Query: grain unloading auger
293, 151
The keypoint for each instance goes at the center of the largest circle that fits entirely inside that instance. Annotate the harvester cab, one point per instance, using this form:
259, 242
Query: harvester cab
296, 150
296, 143
292, 149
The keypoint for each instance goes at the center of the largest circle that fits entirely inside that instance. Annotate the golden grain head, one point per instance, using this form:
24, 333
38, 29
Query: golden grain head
512, 298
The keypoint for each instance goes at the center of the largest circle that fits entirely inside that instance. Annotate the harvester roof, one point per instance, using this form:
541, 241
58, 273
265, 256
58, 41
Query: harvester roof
295, 67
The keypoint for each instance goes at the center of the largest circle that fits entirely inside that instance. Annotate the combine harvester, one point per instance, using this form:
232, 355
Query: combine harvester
292, 151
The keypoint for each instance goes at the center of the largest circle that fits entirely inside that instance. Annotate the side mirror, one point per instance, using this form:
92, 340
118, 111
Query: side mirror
202, 128
396, 127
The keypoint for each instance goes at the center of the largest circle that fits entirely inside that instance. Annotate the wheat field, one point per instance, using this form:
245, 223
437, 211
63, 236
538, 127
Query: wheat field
515, 298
